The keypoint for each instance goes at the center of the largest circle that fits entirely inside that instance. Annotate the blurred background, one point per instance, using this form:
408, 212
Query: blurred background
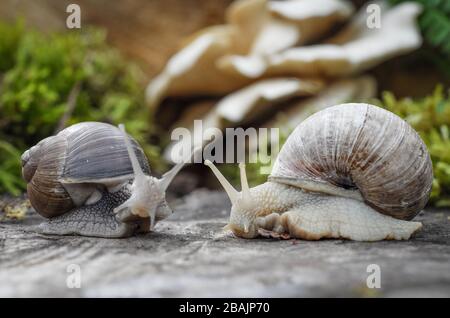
160, 64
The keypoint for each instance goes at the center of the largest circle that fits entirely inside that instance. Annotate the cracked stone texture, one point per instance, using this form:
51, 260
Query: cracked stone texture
189, 256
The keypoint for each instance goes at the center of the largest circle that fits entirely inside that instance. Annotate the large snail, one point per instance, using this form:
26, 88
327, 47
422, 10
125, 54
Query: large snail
351, 171
93, 179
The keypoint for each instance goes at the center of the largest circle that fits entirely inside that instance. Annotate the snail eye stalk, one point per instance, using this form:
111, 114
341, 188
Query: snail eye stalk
139, 175
141, 198
244, 184
232, 193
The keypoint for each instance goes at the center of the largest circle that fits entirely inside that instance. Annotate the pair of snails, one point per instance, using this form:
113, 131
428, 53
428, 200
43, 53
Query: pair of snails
352, 171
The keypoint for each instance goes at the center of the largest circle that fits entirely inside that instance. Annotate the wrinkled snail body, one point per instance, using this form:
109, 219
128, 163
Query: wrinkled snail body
93, 179
351, 171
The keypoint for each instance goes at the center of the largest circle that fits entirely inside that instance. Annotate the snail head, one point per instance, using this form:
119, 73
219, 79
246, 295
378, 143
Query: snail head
148, 194
244, 208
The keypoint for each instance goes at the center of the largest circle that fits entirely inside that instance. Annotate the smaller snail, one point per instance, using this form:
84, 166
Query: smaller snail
353, 171
92, 179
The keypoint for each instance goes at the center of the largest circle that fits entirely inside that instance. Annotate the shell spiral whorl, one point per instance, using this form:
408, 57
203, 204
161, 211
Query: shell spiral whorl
87, 155
361, 147
44, 164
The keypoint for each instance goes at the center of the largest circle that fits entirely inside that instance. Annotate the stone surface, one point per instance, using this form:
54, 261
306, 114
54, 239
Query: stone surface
188, 255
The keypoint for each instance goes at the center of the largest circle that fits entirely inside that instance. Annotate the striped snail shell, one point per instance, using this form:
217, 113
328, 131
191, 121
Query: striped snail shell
360, 150
63, 171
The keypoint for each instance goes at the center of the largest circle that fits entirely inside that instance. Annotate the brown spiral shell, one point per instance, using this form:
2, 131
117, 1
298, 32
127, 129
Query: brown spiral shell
83, 154
359, 148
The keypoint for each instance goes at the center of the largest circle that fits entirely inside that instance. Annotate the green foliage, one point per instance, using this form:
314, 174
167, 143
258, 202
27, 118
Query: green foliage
430, 117
73, 75
434, 23
9, 166
10, 36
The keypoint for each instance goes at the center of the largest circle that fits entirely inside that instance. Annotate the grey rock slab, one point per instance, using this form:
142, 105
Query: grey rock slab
188, 255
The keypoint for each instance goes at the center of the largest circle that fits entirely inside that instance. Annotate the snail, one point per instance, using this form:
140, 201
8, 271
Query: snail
92, 179
352, 171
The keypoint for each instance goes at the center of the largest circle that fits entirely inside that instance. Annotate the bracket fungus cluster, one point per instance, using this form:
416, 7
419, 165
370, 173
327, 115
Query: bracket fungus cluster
293, 57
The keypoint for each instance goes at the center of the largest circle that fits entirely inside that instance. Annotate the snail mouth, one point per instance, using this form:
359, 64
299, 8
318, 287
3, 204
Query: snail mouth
132, 214
140, 211
242, 232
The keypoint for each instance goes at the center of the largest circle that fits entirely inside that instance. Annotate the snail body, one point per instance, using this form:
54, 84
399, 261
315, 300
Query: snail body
353, 171
93, 179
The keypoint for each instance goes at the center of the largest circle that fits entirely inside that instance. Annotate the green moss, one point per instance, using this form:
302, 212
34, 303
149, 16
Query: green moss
10, 168
39, 73
430, 116
10, 36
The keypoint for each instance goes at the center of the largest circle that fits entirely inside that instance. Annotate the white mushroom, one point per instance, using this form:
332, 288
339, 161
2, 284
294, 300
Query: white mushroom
267, 27
241, 105
359, 89
192, 70
302, 10
255, 28
355, 49
237, 106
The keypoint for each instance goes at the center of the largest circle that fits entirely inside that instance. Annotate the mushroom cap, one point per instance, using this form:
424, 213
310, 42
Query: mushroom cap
355, 89
253, 28
243, 106
354, 49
